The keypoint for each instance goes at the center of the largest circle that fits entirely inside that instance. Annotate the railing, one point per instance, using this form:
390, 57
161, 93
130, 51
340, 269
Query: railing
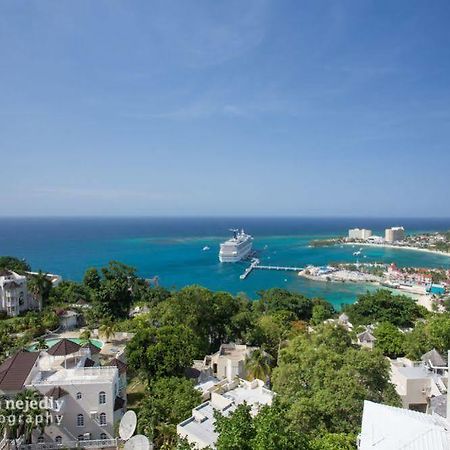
92, 443
76, 375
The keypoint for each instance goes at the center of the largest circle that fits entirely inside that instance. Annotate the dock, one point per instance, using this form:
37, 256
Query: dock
256, 266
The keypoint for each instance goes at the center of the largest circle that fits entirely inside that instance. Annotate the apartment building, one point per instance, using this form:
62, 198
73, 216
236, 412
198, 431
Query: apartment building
227, 363
359, 233
87, 400
14, 294
224, 397
394, 234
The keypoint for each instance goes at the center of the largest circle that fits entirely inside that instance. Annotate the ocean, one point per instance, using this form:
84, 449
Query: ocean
172, 249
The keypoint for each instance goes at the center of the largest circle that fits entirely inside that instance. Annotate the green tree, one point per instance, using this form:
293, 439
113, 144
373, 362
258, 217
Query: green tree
276, 299
69, 292
258, 365
272, 431
164, 351
168, 401
236, 431
41, 344
92, 278
389, 340
384, 306
15, 264
321, 311
107, 329
85, 336
323, 382
334, 441
40, 287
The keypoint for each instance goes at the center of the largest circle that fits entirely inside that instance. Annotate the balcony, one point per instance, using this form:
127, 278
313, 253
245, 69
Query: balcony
91, 443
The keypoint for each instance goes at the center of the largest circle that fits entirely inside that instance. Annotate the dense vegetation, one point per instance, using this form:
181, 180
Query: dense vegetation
384, 306
320, 376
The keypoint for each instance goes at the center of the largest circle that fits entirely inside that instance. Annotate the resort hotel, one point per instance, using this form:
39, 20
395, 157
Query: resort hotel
86, 399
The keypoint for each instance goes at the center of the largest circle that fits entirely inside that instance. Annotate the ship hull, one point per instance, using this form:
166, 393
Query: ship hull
235, 256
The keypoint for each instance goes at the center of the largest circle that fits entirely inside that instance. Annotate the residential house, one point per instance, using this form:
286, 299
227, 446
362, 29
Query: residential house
14, 294
417, 382
225, 397
88, 400
389, 428
227, 363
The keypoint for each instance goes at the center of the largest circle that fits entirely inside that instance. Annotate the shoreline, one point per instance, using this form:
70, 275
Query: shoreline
398, 247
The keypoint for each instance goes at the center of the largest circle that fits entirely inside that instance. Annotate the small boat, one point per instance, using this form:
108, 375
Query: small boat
206, 248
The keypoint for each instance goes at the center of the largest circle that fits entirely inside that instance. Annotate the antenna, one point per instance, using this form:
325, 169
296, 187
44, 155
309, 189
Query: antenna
138, 442
127, 425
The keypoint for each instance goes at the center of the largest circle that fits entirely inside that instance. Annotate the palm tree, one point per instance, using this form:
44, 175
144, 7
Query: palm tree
41, 344
32, 415
40, 286
23, 423
258, 365
107, 330
85, 336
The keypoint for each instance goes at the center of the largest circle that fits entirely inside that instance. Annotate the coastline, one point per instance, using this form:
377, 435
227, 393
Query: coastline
398, 247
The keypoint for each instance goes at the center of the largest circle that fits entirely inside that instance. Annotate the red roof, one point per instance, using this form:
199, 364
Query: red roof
15, 370
119, 364
63, 347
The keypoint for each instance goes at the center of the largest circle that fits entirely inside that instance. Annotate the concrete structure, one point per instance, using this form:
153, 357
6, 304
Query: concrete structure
14, 295
85, 400
389, 428
394, 234
225, 397
68, 320
359, 233
228, 363
417, 382
366, 339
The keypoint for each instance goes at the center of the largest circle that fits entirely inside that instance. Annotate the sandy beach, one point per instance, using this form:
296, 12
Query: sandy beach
416, 249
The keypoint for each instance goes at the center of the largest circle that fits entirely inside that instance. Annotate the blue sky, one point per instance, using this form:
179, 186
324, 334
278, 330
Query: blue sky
225, 107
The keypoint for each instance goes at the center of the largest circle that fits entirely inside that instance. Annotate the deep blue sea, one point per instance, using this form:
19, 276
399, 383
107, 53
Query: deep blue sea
171, 248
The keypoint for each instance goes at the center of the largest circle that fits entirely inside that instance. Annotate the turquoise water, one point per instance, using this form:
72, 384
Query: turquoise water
172, 249
437, 289
51, 342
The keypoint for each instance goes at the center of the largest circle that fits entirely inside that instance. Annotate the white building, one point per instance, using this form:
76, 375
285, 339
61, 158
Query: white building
394, 234
14, 295
416, 382
366, 339
87, 400
359, 233
68, 320
227, 363
199, 428
389, 428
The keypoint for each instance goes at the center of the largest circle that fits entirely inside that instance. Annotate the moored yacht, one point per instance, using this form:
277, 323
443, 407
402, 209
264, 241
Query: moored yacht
236, 248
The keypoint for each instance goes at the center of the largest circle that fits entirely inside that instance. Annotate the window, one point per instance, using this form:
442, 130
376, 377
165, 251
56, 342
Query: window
80, 420
102, 419
40, 439
103, 436
102, 398
58, 439
81, 437
79, 395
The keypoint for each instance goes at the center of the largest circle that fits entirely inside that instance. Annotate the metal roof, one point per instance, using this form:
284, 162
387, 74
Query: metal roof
388, 428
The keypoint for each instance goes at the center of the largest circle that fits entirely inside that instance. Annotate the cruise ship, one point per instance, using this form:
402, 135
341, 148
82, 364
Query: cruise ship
236, 248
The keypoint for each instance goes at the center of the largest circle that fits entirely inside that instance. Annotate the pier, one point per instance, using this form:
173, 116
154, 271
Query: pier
256, 266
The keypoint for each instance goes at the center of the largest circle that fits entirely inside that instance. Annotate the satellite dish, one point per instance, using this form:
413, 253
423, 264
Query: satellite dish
127, 425
138, 442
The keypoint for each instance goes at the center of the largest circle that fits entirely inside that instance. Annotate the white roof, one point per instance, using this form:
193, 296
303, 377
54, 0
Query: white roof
199, 428
388, 428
